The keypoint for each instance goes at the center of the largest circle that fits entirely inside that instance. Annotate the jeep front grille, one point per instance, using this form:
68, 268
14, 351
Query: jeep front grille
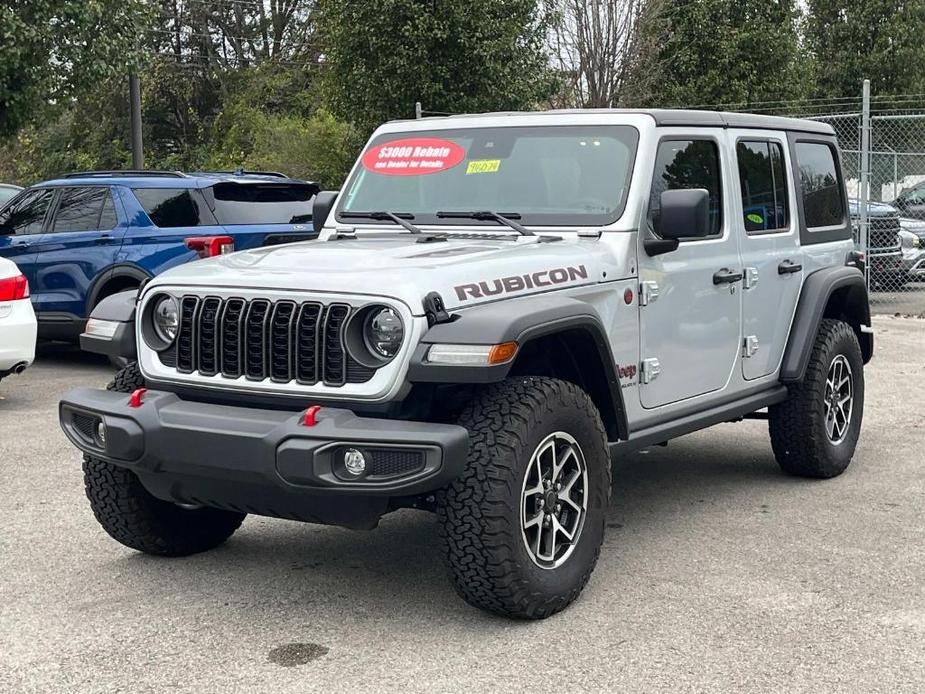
884, 233
281, 341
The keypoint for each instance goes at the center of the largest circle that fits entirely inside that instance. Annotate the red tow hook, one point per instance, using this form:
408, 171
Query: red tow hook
310, 418
135, 399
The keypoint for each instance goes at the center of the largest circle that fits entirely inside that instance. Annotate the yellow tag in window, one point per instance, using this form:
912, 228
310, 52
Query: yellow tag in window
483, 166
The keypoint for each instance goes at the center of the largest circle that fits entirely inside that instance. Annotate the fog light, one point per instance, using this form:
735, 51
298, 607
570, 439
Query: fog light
355, 462
101, 433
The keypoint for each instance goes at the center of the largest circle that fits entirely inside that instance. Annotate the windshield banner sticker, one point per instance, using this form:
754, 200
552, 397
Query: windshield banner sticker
478, 166
414, 156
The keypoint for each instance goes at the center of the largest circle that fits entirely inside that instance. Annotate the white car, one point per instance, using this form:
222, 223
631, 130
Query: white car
17, 321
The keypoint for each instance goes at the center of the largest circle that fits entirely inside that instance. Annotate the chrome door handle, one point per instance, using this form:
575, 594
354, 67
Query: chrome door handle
788, 267
726, 276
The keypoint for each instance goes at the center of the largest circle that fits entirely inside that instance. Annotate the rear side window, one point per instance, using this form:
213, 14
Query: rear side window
108, 218
682, 164
79, 209
263, 203
823, 205
764, 186
172, 207
27, 214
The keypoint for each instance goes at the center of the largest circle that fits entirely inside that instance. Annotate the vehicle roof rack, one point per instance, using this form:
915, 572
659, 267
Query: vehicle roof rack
247, 172
125, 172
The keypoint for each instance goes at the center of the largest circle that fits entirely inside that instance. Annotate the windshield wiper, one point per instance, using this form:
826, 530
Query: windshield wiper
506, 218
397, 217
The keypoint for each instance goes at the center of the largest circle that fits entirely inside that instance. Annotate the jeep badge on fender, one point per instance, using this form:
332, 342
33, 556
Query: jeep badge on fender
496, 308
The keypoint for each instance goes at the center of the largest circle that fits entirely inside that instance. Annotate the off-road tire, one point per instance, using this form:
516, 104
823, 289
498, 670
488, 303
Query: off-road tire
133, 516
127, 379
479, 513
797, 425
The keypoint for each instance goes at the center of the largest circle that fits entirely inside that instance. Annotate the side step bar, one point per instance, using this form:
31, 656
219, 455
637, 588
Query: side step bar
662, 433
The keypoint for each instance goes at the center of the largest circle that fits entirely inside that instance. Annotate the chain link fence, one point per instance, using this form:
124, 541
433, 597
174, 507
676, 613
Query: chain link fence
887, 204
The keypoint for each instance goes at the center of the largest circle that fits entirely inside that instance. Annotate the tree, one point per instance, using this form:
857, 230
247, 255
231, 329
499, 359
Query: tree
380, 58
593, 46
52, 50
713, 52
879, 40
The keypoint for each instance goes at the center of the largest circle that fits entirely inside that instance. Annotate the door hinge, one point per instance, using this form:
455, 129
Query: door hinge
648, 292
750, 346
650, 370
751, 278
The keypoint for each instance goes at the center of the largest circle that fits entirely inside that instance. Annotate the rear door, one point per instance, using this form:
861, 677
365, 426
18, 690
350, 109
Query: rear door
81, 241
22, 224
163, 219
771, 255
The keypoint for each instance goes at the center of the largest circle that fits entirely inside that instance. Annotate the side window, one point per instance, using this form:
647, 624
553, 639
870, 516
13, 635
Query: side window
764, 186
172, 207
79, 209
27, 214
108, 218
823, 205
681, 164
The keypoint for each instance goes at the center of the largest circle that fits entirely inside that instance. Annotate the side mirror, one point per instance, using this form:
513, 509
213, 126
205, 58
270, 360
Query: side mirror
684, 214
321, 208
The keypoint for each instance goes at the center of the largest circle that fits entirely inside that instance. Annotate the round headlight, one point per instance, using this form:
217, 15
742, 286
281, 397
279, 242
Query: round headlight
166, 319
383, 333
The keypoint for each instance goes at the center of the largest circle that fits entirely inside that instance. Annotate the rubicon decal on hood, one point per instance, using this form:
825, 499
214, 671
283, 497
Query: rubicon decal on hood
518, 283
414, 156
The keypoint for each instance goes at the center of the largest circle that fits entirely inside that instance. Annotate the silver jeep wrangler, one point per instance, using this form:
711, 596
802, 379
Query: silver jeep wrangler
495, 307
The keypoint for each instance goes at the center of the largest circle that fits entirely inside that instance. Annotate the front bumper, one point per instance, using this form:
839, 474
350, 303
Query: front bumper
262, 461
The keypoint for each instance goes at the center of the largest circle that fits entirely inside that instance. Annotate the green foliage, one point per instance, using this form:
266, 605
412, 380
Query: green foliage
382, 57
879, 40
52, 50
707, 52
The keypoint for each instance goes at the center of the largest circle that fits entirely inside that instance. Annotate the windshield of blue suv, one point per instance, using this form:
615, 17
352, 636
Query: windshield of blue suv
540, 175
228, 204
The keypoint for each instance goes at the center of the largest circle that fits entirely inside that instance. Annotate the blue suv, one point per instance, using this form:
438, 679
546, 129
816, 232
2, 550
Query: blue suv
85, 236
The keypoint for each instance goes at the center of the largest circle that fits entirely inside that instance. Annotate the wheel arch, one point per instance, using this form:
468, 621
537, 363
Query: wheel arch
835, 292
116, 279
544, 328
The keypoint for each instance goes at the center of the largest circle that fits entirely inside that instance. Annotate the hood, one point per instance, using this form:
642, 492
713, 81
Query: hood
464, 271
874, 209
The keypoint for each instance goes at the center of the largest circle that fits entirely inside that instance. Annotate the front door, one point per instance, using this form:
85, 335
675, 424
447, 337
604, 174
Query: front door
21, 226
690, 323
82, 241
771, 255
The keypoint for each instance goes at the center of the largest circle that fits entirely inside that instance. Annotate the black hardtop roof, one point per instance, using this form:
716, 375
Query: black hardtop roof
671, 117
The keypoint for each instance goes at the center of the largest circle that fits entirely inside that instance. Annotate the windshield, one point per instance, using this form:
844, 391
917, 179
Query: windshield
263, 203
548, 175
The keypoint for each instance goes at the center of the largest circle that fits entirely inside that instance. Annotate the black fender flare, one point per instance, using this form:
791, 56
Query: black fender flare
122, 270
118, 309
838, 291
521, 321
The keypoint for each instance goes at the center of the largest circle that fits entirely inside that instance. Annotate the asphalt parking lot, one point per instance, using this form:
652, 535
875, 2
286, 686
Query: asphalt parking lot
718, 574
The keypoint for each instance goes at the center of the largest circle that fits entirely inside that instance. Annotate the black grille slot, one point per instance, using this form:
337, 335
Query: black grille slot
334, 357
209, 336
308, 328
232, 328
281, 352
186, 339
392, 462
255, 339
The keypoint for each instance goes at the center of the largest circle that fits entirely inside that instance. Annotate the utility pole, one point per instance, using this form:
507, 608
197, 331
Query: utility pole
134, 90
